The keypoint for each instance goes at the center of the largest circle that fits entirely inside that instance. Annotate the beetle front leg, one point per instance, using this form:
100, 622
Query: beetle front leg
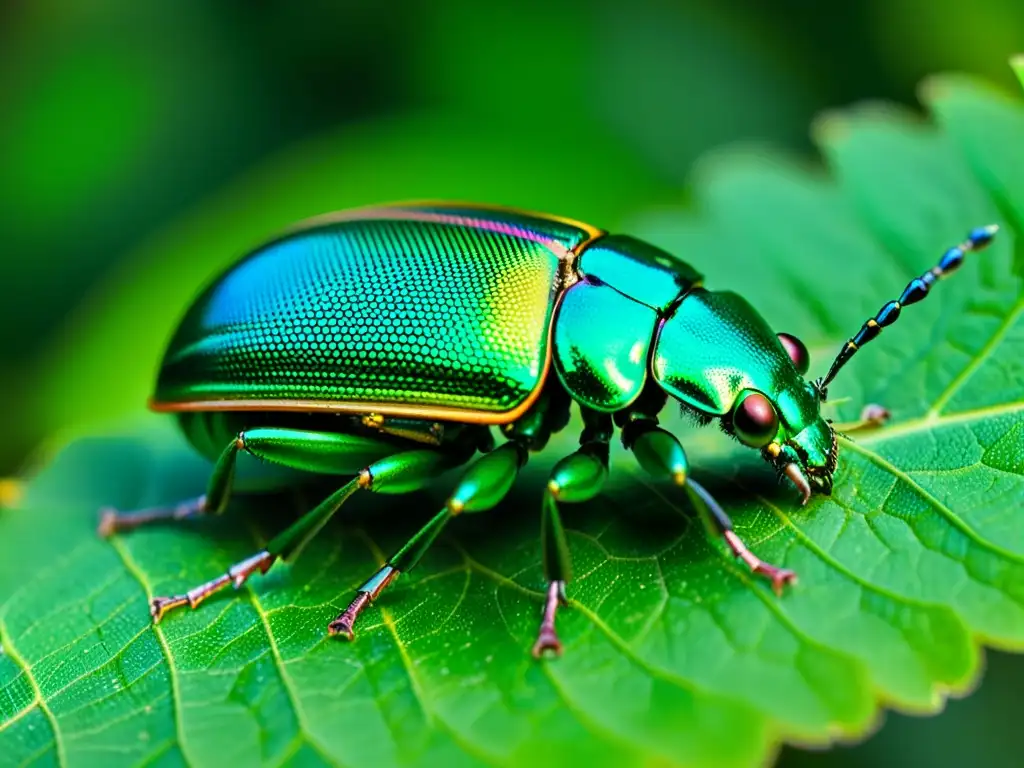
872, 416
660, 453
779, 577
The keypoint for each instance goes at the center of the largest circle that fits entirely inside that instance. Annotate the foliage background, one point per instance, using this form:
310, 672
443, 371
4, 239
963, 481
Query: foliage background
122, 121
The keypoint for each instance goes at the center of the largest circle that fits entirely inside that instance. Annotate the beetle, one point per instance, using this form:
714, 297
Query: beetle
383, 344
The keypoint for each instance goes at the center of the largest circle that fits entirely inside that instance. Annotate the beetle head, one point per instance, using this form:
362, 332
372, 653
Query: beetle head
717, 356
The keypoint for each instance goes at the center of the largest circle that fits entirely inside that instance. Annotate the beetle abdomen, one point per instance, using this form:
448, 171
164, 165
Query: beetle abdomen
400, 310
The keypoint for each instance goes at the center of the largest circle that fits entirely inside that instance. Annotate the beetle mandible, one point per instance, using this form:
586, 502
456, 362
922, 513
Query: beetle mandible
382, 344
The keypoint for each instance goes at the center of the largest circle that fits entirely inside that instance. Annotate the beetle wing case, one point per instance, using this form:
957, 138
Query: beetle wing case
420, 310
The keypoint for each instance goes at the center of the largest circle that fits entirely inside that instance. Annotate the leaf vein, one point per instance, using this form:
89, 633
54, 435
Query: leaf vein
976, 362
955, 520
8, 646
293, 698
431, 717
172, 672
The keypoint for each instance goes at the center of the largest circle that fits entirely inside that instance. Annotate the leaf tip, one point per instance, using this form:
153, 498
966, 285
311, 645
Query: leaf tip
830, 127
933, 88
833, 127
1017, 65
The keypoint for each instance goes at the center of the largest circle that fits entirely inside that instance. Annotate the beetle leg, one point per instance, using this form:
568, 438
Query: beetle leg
325, 452
240, 572
288, 543
779, 577
659, 452
873, 415
547, 638
213, 502
576, 478
482, 486
112, 521
236, 574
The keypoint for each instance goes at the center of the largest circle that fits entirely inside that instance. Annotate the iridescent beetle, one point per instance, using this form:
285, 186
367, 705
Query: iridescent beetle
383, 344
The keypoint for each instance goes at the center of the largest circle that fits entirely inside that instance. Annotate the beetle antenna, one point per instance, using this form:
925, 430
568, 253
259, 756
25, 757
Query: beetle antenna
916, 290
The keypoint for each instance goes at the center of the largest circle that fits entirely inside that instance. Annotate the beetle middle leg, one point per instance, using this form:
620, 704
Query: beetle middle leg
482, 486
660, 453
576, 478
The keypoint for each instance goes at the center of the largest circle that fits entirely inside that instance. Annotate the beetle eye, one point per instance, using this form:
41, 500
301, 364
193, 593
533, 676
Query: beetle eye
797, 351
754, 419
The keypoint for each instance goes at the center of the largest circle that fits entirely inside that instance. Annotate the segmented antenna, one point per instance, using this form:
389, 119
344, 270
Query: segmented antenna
916, 290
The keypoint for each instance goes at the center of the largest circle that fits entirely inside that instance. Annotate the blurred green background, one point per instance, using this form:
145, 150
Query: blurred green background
143, 145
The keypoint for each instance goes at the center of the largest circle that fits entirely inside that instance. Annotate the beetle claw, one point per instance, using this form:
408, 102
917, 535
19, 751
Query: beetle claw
547, 643
342, 629
343, 625
159, 606
108, 523
779, 577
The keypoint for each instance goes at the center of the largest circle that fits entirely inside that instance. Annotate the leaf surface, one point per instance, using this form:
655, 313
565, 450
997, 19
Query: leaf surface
675, 655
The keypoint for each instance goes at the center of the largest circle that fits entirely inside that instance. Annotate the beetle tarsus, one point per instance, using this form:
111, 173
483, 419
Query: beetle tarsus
547, 638
872, 416
158, 606
779, 577
343, 625
875, 415
236, 575
108, 523
112, 521
547, 643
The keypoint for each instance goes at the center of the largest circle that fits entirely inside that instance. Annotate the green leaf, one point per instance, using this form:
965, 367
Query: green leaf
675, 655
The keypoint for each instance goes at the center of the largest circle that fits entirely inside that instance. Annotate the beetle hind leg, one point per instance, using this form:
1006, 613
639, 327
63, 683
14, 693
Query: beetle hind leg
324, 452
409, 468
113, 521
212, 502
237, 575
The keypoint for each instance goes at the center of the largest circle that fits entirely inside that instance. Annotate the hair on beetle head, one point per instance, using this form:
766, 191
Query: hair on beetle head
698, 418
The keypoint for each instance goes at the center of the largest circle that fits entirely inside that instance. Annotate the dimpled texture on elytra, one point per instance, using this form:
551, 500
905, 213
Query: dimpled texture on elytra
415, 312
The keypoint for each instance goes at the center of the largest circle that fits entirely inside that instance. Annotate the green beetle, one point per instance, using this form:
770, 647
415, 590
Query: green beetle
383, 344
